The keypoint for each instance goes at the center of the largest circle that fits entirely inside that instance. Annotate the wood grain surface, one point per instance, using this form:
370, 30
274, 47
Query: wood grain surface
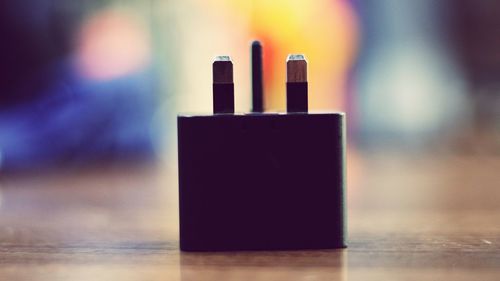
411, 217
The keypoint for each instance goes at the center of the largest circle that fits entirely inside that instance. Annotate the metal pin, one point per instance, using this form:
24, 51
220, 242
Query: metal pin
296, 68
257, 80
296, 83
223, 86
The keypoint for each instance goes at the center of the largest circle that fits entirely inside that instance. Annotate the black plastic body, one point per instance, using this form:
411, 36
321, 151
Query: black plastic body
262, 181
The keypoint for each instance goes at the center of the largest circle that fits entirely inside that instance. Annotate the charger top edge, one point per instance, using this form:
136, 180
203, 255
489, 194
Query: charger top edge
258, 114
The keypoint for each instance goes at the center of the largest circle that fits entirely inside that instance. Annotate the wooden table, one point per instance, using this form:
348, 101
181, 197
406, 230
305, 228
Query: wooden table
411, 217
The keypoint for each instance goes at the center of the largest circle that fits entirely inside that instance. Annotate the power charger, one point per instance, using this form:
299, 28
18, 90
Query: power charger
261, 181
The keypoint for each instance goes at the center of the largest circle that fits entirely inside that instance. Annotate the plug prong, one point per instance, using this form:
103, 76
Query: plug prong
296, 68
257, 79
223, 86
296, 83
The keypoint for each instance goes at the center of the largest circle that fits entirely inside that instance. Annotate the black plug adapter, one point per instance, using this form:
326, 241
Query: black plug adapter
262, 181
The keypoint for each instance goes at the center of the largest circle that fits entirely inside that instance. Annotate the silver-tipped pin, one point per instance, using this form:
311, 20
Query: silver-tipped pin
296, 68
296, 84
222, 70
223, 87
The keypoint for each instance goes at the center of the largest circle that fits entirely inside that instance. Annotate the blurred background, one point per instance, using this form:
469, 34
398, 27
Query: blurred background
92, 81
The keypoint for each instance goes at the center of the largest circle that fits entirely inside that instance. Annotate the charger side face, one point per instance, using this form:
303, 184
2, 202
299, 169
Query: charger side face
261, 181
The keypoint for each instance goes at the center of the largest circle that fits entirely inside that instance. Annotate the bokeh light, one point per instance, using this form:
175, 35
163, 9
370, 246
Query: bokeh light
112, 43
